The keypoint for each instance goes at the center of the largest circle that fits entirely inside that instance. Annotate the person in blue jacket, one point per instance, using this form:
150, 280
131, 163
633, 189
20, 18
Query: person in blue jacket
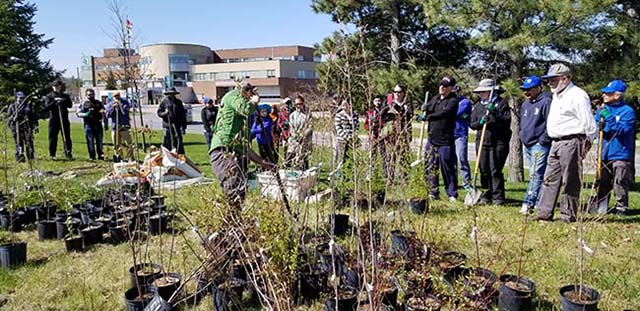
617, 121
461, 136
265, 139
533, 135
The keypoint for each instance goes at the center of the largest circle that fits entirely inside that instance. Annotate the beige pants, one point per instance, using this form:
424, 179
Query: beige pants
122, 140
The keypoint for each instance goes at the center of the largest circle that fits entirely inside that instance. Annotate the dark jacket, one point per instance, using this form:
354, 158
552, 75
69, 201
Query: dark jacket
94, 110
21, 114
618, 143
256, 131
208, 116
533, 120
498, 122
173, 113
462, 118
57, 108
441, 115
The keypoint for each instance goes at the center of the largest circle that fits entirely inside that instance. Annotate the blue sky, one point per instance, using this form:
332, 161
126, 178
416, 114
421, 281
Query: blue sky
81, 26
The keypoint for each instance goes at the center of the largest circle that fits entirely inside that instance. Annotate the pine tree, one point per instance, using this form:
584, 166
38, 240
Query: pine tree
20, 66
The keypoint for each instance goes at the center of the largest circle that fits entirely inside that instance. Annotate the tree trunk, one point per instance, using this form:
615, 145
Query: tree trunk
395, 40
515, 162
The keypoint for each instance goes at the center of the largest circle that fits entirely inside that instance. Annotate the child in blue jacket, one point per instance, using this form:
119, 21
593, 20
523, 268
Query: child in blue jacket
265, 140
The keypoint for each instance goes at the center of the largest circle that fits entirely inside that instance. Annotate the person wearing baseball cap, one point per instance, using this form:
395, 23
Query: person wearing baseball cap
208, 116
533, 135
58, 104
571, 127
617, 121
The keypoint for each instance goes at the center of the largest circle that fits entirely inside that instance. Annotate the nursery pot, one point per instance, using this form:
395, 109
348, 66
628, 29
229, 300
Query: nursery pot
479, 284
203, 287
312, 284
92, 233
516, 294
239, 271
157, 223
227, 293
452, 263
347, 301
62, 227
142, 273
571, 301
399, 244
117, 233
390, 297
157, 199
418, 205
47, 230
428, 303
73, 243
13, 254
136, 301
158, 303
12, 221
166, 284
46, 210
106, 220
30, 214
340, 223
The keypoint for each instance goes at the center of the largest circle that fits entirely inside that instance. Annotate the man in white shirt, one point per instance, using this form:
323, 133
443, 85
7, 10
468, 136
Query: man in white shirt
571, 127
300, 136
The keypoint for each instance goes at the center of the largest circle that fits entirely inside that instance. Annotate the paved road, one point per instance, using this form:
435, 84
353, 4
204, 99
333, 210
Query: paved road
153, 121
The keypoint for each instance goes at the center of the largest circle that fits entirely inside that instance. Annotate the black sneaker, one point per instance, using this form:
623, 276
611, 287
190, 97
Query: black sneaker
621, 212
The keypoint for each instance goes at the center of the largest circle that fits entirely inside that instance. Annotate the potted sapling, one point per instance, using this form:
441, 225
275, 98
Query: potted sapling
417, 190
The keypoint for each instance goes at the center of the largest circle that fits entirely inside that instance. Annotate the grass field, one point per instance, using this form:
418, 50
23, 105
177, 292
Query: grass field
97, 278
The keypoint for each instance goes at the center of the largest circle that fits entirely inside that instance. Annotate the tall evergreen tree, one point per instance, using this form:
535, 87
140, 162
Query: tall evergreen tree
20, 65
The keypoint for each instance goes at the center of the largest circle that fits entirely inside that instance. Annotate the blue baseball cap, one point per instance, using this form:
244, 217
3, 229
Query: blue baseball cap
615, 86
531, 82
266, 107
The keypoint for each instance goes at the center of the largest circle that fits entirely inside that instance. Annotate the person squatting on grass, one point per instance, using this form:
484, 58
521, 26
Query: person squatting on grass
92, 114
533, 135
617, 121
571, 127
230, 144
118, 110
58, 104
174, 120
461, 136
396, 134
208, 117
265, 139
300, 142
496, 114
22, 122
440, 150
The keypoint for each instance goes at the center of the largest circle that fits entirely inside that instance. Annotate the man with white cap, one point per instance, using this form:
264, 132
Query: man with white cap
571, 127
617, 121
533, 135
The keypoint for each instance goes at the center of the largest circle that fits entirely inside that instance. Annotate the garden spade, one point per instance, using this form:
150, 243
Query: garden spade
474, 194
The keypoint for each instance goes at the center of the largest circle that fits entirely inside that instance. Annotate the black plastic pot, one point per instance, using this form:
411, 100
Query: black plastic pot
30, 214
105, 219
142, 273
452, 263
312, 284
479, 284
158, 304
166, 284
428, 303
13, 254
63, 225
92, 233
390, 297
239, 271
340, 223
136, 301
379, 198
516, 294
203, 287
117, 233
61, 215
157, 224
157, 199
47, 230
418, 205
591, 303
12, 221
399, 244
347, 301
74, 243
228, 296
327, 259
46, 211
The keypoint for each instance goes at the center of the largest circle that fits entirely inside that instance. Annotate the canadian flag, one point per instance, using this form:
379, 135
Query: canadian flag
129, 25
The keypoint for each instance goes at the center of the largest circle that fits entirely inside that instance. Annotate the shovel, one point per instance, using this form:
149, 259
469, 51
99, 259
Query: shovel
474, 194
420, 151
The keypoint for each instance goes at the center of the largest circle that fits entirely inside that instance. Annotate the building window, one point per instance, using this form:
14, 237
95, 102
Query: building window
300, 58
271, 73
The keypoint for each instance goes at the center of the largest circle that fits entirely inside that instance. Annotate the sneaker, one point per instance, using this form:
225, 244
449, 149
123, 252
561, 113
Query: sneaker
466, 187
526, 209
433, 197
453, 199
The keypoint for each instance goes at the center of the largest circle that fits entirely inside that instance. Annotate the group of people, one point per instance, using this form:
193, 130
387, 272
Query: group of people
95, 115
557, 129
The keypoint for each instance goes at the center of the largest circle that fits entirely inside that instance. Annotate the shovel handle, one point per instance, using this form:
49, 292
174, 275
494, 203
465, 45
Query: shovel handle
477, 165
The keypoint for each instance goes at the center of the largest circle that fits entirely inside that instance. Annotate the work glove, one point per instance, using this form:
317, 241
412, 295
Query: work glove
421, 117
605, 113
255, 99
491, 107
487, 119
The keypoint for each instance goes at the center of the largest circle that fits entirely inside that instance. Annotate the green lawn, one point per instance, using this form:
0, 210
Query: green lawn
97, 279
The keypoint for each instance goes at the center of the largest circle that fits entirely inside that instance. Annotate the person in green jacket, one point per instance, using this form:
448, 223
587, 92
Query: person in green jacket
230, 143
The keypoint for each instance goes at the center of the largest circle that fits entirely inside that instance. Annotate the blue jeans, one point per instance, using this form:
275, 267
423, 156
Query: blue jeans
441, 159
207, 137
94, 140
463, 159
537, 158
